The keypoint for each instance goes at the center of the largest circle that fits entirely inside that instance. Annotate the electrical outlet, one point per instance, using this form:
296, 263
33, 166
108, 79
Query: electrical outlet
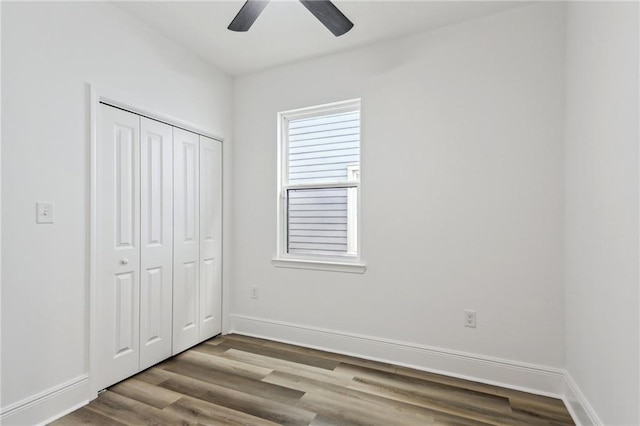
254, 292
470, 319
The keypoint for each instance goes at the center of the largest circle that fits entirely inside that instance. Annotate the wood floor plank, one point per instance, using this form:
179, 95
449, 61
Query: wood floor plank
549, 408
208, 348
131, 412
197, 411
320, 420
86, 416
332, 356
147, 393
250, 404
239, 380
154, 375
241, 338
534, 419
357, 411
214, 340
435, 405
476, 386
444, 419
262, 349
225, 365
239, 383
290, 367
445, 394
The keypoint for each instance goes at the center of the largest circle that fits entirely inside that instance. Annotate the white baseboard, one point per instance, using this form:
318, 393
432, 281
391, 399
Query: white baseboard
531, 378
49, 405
581, 411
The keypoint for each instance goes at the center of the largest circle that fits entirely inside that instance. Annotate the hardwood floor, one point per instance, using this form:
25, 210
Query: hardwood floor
238, 380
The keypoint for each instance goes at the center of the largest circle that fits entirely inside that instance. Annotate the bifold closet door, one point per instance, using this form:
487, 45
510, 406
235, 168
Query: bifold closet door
134, 244
186, 239
117, 307
210, 238
156, 237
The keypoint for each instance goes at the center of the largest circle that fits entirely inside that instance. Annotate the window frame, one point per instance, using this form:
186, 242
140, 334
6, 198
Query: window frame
331, 262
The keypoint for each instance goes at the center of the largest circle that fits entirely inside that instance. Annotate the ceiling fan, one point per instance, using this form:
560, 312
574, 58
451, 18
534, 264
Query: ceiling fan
325, 11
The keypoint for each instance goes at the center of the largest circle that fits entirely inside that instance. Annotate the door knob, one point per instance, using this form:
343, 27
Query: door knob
124, 261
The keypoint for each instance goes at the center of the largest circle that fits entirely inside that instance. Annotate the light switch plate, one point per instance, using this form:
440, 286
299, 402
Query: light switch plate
44, 212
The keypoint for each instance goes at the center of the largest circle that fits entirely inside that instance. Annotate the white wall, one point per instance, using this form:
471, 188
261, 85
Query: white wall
50, 51
601, 210
0, 199
462, 181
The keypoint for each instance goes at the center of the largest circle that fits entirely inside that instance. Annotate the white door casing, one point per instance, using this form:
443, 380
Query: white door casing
117, 246
210, 322
186, 236
156, 241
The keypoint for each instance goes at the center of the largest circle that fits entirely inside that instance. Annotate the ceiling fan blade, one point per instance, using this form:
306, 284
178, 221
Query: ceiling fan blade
247, 15
329, 15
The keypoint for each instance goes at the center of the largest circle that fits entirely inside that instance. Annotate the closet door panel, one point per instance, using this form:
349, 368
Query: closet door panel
210, 237
186, 233
118, 250
156, 261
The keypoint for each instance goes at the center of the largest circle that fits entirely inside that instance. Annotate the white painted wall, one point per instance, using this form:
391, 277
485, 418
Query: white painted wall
50, 51
462, 181
0, 197
601, 209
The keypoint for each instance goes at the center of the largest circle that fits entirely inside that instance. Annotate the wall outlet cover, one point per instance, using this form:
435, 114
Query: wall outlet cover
470, 319
44, 212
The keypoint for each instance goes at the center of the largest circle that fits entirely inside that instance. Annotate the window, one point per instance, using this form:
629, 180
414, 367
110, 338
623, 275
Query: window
319, 187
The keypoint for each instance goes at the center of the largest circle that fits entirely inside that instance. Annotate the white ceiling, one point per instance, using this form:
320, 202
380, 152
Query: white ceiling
286, 32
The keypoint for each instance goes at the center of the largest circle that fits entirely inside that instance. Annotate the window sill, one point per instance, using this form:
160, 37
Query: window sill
320, 265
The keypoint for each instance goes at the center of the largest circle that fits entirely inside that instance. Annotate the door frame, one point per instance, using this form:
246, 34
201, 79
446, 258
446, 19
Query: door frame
114, 98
